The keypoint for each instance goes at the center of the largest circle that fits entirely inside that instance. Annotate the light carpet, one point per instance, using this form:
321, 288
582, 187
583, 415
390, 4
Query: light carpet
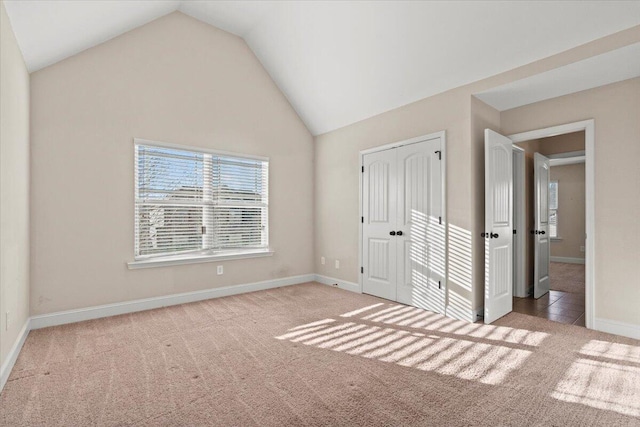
313, 355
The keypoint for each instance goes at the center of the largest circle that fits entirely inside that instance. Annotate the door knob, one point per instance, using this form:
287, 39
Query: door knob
483, 234
399, 233
543, 232
393, 233
494, 235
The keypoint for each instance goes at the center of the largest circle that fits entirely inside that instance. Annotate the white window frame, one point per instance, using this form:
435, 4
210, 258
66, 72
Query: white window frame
206, 255
555, 236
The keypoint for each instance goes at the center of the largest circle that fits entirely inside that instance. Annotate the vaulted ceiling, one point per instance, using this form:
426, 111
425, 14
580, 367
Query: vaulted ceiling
341, 62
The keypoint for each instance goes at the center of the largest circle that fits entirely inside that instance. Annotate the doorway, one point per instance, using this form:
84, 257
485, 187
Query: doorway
587, 269
551, 282
403, 222
501, 257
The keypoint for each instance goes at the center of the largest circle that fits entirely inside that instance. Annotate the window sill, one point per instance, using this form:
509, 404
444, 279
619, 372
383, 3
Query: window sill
196, 259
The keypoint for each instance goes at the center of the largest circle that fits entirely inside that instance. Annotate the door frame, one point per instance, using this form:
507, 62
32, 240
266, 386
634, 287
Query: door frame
588, 126
520, 285
443, 172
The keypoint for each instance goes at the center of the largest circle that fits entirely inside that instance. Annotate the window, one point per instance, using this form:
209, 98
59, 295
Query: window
553, 209
198, 202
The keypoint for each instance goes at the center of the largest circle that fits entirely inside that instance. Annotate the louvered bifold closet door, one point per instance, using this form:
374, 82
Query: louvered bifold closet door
240, 203
170, 201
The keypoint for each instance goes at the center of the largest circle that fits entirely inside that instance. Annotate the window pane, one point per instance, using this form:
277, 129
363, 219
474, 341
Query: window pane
239, 180
553, 223
239, 227
167, 174
553, 195
168, 229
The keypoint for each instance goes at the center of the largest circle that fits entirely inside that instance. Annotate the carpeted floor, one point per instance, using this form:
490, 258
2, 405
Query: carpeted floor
315, 355
567, 277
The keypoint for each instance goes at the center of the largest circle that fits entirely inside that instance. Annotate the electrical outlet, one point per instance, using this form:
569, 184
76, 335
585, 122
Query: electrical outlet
220, 270
322, 260
337, 264
581, 248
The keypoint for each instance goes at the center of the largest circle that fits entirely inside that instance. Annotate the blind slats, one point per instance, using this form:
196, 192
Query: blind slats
190, 201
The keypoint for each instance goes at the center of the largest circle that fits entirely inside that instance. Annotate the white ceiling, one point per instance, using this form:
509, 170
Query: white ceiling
614, 66
341, 62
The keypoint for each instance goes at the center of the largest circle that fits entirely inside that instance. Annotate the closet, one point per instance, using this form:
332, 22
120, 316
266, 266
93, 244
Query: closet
403, 232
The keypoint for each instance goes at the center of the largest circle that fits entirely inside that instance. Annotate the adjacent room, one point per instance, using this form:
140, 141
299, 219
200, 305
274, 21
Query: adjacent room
561, 246
319, 213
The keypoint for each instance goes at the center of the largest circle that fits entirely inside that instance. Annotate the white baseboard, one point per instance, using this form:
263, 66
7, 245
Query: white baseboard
7, 366
466, 315
618, 328
567, 260
96, 312
342, 284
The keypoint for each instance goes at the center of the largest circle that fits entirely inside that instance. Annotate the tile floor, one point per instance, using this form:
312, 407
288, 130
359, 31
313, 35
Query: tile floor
565, 302
563, 307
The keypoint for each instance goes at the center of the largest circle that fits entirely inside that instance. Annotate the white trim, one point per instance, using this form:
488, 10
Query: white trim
588, 126
397, 144
195, 259
618, 328
519, 223
470, 315
96, 312
12, 356
564, 161
567, 260
342, 284
565, 155
141, 141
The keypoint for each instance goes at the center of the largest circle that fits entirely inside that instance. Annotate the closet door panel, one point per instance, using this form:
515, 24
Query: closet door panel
379, 202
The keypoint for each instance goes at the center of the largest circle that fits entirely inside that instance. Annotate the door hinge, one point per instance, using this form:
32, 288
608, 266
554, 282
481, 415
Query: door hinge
363, 169
362, 219
439, 220
439, 153
439, 284
361, 270
204, 230
514, 231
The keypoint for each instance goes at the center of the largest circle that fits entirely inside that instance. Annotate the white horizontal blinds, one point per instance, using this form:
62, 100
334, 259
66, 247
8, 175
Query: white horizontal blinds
194, 201
240, 200
169, 201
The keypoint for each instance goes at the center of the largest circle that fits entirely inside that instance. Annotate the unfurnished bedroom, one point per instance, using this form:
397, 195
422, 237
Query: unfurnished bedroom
319, 213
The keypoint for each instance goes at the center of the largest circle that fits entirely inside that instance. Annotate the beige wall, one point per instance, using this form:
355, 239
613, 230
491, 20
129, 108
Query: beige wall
176, 80
571, 211
615, 109
14, 188
566, 143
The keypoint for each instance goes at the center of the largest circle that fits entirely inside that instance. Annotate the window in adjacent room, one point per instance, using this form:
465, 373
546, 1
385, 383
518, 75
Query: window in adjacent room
199, 202
553, 209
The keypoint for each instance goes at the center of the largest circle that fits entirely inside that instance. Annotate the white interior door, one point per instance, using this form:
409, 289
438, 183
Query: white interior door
541, 217
420, 232
379, 203
498, 233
